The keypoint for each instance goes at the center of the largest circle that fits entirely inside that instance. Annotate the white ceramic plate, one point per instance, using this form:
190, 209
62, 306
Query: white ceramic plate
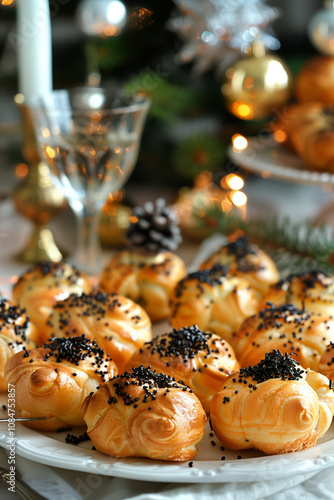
265, 157
50, 449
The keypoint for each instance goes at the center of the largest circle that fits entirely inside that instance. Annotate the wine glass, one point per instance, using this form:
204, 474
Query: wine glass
90, 139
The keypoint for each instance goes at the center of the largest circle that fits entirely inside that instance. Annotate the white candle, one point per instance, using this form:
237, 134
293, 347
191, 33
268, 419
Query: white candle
34, 48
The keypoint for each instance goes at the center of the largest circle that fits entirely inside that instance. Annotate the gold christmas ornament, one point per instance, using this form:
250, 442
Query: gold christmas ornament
256, 85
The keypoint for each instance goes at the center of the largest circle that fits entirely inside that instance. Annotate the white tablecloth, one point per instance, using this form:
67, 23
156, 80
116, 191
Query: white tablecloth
299, 202
57, 484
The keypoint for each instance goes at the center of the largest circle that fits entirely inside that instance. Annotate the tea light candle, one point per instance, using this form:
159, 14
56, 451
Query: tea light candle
34, 48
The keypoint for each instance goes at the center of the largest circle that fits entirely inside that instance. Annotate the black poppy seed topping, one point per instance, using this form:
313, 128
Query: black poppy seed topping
213, 276
72, 439
9, 314
146, 378
309, 279
76, 349
274, 315
186, 342
92, 304
58, 270
242, 249
274, 365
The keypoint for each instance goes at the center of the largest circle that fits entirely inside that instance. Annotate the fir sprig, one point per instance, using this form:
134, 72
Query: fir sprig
169, 100
294, 247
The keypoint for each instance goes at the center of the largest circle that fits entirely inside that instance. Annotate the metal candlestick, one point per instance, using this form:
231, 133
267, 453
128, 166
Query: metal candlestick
36, 197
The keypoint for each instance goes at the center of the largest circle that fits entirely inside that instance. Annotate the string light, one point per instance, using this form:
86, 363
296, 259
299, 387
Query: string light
21, 170
50, 152
239, 142
239, 198
234, 182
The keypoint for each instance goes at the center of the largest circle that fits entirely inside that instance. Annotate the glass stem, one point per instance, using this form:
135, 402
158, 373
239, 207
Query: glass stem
88, 254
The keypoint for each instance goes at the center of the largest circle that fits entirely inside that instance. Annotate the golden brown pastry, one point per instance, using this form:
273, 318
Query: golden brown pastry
146, 279
326, 362
145, 414
53, 381
315, 81
285, 128
119, 325
201, 360
246, 260
44, 285
213, 300
311, 290
272, 406
313, 139
16, 332
287, 329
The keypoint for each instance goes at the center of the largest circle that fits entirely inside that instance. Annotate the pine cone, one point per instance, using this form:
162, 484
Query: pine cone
155, 230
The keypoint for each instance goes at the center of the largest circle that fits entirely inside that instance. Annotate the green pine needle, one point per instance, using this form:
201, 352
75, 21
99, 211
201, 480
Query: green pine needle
294, 247
169, 100
198, 153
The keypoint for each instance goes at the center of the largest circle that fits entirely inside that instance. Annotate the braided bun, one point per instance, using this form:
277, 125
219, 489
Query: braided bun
273, 406
145, 414
201, 360
53, 381
119, 325
45, 284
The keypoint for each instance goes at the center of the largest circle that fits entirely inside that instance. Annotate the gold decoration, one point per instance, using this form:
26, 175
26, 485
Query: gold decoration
115, 220
207, 207
36, 197
257, 84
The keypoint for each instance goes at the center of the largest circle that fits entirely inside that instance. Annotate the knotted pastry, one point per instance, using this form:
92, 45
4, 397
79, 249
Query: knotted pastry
119, 325
274, 406
246, 260
147, 280
287, 329
326, 362
16, 332
44, 285
213, 300
285, 128
201, 360
311, 290
315, 81
53, 381
145, 414
148, 272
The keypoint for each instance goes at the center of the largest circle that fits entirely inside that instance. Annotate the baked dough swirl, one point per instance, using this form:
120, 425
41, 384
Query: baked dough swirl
16, 333
119, 325
287, 329
200, 359
146, 279
274, 406
43, 285
145, 414
246, 260
213, 300
53, 381
311, 290
326, 362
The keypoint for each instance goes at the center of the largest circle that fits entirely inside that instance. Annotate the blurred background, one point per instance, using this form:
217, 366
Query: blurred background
142, 52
